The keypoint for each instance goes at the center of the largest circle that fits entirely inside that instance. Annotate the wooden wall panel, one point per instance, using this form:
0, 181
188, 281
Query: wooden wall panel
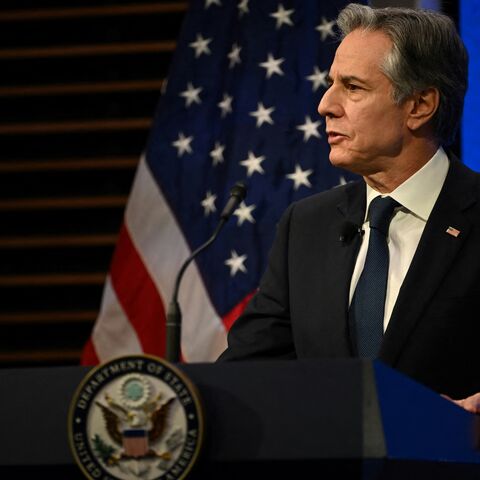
80, 82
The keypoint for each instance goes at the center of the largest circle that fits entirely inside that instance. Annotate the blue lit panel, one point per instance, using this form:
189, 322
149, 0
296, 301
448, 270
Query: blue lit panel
470, 31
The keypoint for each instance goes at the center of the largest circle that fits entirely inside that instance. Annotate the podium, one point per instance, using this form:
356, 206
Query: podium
272, 419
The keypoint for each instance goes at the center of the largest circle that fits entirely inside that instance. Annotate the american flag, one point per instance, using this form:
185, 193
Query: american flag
240, 104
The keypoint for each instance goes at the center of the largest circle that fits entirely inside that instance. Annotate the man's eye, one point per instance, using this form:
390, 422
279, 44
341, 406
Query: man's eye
352, 87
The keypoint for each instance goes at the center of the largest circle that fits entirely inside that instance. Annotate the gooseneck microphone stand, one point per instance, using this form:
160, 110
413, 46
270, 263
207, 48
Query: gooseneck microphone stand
174, 314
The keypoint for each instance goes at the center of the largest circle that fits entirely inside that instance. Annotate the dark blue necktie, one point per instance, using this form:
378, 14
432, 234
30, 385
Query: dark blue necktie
368, 303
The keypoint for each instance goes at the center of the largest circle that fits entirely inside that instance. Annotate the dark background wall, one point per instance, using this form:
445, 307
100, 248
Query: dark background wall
79, 84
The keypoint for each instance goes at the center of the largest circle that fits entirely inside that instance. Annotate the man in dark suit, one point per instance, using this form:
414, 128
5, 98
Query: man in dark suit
387, 267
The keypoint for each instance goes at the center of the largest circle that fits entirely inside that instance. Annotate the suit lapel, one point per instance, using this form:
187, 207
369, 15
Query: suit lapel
434, 255
352, 207
341, 260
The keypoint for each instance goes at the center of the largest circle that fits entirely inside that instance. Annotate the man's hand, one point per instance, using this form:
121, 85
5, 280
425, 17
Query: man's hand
471, 404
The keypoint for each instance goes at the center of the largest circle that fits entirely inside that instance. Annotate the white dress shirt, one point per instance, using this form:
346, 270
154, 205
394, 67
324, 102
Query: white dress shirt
417, 195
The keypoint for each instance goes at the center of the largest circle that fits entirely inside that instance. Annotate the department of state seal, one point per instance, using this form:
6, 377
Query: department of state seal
136, 417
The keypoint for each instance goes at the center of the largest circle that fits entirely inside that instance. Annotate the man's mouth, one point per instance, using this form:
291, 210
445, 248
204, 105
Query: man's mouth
334, 137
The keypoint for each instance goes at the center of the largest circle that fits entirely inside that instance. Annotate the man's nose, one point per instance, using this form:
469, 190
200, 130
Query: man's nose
329, 105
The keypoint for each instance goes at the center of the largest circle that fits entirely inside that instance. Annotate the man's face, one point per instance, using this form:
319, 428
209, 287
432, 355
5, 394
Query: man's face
366, 130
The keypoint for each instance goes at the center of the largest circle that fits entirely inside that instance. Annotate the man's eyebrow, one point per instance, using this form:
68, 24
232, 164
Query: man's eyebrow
352, 78
347, 79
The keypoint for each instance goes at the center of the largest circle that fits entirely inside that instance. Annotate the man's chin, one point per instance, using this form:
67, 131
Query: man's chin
340, 161
346, 162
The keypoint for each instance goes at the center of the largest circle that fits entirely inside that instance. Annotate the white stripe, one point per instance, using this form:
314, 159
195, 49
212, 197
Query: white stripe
113, 334
162, 247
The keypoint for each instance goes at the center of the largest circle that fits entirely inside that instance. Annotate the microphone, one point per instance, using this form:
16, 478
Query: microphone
174, 314
237, 194
348, 231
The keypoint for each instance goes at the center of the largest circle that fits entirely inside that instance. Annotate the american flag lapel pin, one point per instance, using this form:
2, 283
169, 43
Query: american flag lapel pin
453, 232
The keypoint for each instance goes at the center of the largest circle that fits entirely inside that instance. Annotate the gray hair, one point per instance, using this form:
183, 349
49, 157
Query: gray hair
427, 52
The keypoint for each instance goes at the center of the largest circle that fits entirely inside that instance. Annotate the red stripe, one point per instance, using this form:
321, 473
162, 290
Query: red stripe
141, 302
89, 355
138, 295
236, 311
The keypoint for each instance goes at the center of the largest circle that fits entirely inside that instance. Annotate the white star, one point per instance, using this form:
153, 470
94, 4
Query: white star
208, 203
282, 16
318, 78
182, 144
253, 164
226, 104
234, 55
262, 114
309, 128
217, 153
300, 177
272, 65
200, 45
208, 3
244, 212
243, 7
235, 263
191, 95
326, 28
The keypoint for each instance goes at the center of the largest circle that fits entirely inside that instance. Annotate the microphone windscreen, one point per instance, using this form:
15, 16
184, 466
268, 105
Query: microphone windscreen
239, 190
348, 230
237, 194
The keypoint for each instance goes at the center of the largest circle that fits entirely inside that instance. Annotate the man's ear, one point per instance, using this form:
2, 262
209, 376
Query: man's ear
423, 106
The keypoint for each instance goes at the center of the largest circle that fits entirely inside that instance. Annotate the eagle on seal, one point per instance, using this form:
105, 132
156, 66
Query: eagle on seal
136, 429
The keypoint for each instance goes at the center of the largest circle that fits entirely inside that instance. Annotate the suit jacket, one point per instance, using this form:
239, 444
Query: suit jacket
301, 307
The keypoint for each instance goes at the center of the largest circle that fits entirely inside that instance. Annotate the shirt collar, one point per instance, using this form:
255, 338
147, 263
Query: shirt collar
419, 192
